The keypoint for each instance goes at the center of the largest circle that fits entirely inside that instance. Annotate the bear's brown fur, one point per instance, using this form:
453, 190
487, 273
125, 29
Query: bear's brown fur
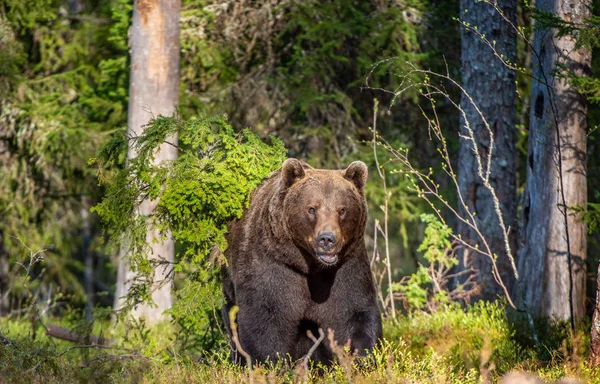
297, 261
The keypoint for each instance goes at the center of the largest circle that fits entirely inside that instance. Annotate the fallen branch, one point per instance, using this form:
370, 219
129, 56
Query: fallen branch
69, 335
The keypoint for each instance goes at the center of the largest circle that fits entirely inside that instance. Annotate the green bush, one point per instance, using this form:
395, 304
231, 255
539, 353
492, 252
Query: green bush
198, 194
470, 338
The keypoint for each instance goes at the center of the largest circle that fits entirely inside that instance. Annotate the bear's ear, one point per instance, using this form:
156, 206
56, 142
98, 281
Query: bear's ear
357, 173
292, 170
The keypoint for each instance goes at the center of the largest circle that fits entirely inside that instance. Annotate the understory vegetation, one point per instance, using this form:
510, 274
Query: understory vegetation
452, 345
433, 340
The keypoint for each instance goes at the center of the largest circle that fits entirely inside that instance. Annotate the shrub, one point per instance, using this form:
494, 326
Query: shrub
198, 194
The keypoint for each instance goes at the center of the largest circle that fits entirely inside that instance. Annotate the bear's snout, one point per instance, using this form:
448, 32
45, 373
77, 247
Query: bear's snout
326, 240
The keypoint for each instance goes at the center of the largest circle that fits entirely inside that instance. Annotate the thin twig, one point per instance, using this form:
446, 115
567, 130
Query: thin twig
316, 343
380, 171
234, 336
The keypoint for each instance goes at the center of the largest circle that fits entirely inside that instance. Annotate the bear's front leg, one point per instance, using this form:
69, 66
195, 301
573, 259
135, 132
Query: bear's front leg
365, 330
271, 306
353, 299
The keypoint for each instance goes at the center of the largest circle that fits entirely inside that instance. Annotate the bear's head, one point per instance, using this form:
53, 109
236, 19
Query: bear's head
325, 210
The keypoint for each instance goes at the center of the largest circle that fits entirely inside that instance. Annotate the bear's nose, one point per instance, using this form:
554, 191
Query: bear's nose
326, 240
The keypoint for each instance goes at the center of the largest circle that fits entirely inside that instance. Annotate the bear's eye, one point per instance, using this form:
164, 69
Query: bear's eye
312, 211
342, 212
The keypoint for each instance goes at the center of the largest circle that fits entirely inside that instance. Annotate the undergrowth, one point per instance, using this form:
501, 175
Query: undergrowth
452, 345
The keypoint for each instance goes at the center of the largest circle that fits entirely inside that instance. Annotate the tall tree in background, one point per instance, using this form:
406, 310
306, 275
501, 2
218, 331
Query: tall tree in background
491, 86
153, 91
4, 303
552, 259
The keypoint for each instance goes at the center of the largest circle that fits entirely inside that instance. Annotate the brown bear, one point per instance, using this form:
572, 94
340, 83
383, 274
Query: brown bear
297, 261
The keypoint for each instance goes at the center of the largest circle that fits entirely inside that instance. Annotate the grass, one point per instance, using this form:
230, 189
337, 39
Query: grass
450, 346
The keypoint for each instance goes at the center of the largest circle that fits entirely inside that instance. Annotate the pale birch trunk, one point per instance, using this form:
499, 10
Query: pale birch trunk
153, 91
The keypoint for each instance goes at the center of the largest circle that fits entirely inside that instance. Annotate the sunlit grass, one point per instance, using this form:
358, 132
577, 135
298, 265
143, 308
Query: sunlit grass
449, 346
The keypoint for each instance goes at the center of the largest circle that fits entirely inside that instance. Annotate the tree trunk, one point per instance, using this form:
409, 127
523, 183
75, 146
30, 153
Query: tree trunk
88, 258
552, 259
153, 91
595, 344
491, 85
4, 286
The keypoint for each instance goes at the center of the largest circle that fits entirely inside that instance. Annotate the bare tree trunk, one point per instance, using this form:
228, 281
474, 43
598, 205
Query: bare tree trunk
88, 258
595, 344
552, 259
153, 91
4, 269
491, 85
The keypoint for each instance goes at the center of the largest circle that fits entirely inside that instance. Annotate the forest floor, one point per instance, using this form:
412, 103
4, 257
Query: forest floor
477, 345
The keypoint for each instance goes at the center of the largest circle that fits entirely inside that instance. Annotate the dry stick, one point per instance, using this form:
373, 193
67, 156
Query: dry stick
480, 170
374, 243
69, 335
485, 179
234, 336
379, 289
506, 242
385, 211
99, 346
316, 343
376, 278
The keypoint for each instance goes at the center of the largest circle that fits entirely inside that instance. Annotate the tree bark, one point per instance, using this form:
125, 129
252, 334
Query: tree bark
552, 258
595, 343
4, 275
491, 85
88, 258
153, 91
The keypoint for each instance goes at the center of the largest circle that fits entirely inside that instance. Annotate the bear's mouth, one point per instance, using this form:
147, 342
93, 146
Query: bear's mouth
328, 258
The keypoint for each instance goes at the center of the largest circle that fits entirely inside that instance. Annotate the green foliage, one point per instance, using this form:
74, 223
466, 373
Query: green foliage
297, 68
415, 288
11, 57
197, 195
436, 241
477, 337
209, 67
24, 360
591, 216
586, 33
207, 186
66, 80
326, 35
427, 287
587, 86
